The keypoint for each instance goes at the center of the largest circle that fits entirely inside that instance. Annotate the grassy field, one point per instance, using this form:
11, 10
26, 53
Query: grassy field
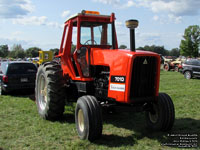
21, 128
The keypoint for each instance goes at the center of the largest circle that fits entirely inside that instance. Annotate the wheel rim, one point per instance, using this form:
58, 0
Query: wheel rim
80, 120
187, 75
154, 117
42, 92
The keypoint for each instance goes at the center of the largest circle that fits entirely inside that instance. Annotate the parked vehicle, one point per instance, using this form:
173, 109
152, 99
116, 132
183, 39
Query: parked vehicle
174, 64
179, 68
191, 68
16, 75
44, 56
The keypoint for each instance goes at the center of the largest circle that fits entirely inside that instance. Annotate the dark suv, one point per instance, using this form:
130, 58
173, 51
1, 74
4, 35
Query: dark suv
191, 68
16, 75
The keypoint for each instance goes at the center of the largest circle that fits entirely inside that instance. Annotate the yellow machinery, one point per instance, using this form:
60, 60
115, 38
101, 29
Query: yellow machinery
45, 56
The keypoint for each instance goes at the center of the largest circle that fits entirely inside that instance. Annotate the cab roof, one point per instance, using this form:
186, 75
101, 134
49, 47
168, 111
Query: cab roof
83, 14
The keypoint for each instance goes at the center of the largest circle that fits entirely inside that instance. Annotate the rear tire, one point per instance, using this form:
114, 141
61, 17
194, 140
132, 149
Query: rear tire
188, 75
88, 117
166, 67
161, 118
49, 91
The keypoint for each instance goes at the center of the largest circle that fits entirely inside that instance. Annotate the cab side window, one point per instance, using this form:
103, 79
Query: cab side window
74, 39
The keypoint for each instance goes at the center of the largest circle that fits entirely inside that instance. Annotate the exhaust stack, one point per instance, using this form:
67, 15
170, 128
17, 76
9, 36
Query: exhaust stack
132, 24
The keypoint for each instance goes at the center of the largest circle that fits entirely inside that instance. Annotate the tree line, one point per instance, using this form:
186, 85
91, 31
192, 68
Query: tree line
157, 49
189, 47
18, 52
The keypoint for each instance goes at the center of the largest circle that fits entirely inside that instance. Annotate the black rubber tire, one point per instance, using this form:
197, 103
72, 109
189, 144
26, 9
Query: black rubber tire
91, 112
188, 75
52, 107
166, 67
163, 112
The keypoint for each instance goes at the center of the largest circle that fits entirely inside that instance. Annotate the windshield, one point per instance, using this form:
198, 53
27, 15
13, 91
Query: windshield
94, 33
21, 68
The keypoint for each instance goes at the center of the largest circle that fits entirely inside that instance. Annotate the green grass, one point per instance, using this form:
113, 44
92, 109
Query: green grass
21, 128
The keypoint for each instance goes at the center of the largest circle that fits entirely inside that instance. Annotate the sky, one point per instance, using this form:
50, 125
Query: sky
39, 23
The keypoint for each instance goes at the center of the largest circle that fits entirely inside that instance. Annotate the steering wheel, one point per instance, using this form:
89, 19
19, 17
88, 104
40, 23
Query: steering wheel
86, 43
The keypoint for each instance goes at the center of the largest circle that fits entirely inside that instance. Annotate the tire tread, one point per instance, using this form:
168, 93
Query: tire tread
166, 111
55, 90
94, 130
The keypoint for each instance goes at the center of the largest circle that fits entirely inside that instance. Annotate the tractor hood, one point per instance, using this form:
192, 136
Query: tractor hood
117, 57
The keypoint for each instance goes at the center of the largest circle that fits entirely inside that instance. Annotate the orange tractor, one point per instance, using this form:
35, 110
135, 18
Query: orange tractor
98, 74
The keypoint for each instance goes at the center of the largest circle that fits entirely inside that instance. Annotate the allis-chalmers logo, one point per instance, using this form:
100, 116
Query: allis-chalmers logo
145, 62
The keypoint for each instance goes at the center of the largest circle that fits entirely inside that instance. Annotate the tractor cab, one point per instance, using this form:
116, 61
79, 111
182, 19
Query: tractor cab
82, 32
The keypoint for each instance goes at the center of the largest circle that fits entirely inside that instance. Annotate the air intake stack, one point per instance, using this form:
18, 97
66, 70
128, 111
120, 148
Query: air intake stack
132, 24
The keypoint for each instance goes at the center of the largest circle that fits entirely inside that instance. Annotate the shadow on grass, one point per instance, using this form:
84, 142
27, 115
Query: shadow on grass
116, 140
136, 123
23, 93
67, 118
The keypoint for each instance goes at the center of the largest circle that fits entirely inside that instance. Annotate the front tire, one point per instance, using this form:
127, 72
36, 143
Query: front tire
49, 91
161, 117
88, 117
188, 75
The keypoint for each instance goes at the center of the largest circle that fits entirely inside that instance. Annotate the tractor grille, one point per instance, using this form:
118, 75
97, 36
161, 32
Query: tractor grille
143, 78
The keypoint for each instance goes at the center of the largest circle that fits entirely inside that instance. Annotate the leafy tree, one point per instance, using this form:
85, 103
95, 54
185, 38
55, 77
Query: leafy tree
140, 48
122, 47
32, 52
4, 51
174, 52
190, 44
55, 50
157, 49
17, 51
